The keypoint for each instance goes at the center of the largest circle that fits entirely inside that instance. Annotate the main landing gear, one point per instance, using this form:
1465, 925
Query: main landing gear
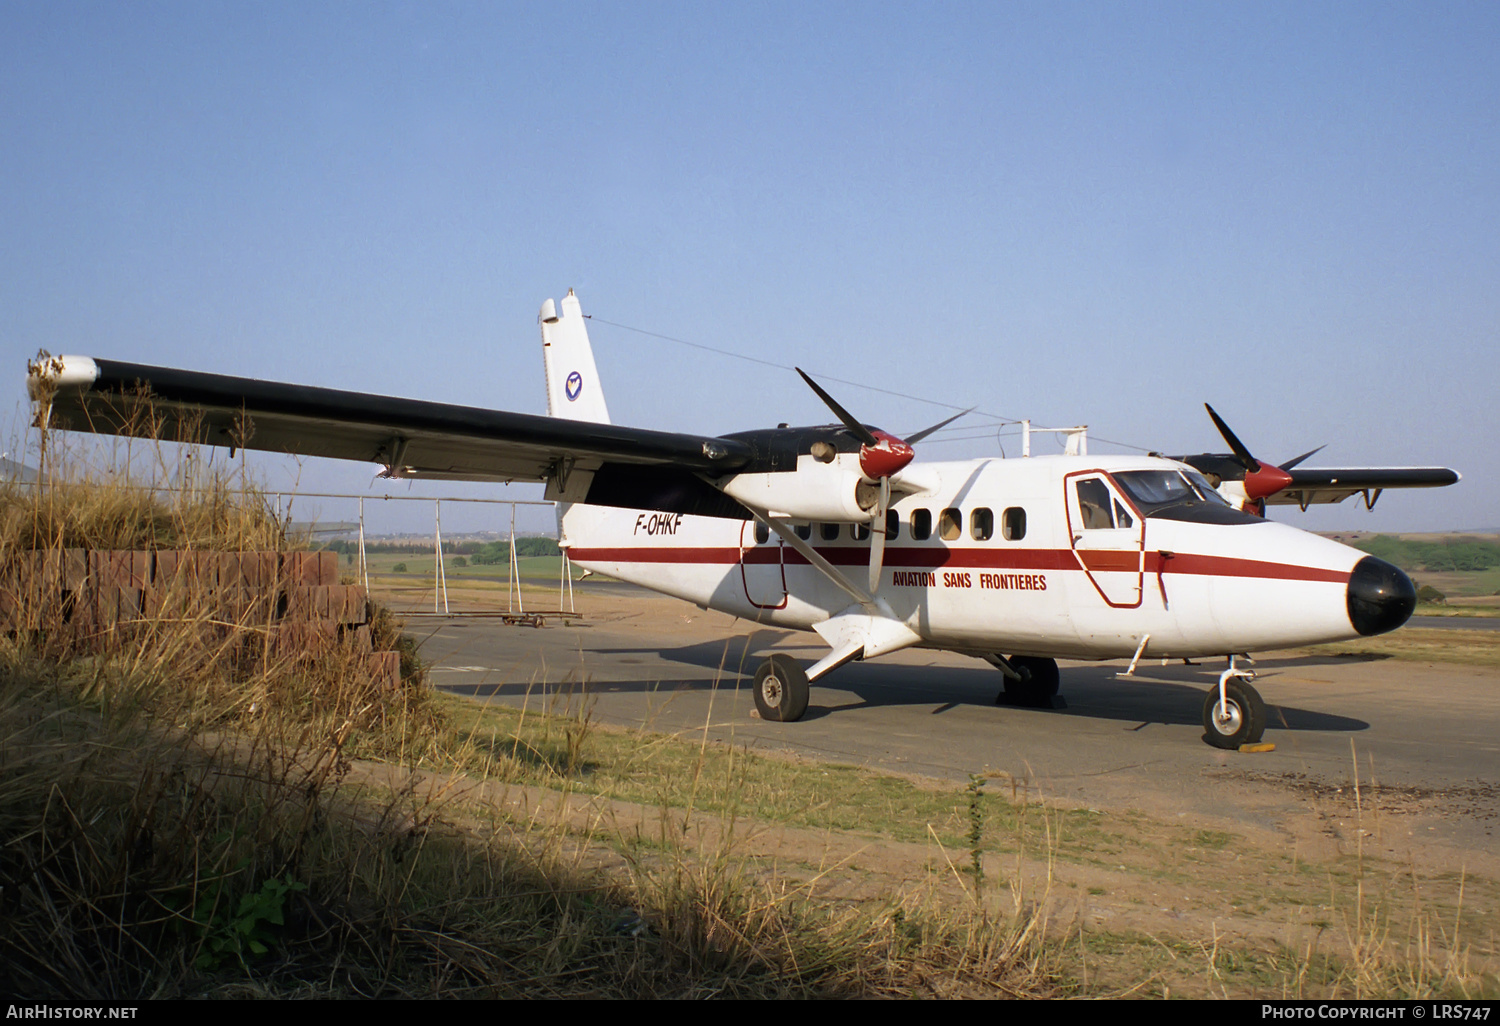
781, 689
1233, 713
1030, 681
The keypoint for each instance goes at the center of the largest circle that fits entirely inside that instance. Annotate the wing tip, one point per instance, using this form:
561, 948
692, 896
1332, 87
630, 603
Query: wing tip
46, 374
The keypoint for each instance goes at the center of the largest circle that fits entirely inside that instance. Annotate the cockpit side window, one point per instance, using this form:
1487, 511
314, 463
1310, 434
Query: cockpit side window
1094, 502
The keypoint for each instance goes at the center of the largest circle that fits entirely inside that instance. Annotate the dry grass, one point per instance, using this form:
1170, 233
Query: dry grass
182, 813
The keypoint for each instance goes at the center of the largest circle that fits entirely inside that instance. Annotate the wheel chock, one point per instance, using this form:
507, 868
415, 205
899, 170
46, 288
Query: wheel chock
1259, 746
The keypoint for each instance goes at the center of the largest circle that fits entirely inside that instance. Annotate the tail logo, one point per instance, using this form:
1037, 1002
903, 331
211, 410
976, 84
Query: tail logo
574, 385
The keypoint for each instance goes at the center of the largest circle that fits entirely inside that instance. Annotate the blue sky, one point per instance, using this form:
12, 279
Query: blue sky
1074, 212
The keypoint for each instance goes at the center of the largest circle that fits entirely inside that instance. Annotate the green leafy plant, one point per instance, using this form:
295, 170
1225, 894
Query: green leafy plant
976, 826
251, 929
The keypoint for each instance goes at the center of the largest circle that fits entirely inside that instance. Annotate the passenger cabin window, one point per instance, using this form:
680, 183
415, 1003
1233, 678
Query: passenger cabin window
1013, 524
804, 531
921, 524
981, 524
830, 532
860, 532
762, 533
892, 525
950, 524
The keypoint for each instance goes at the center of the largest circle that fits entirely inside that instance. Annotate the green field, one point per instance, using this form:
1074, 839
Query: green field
422, 567
1464, 567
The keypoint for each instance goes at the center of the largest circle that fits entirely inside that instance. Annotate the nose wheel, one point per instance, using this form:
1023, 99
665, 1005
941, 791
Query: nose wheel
1235, 717
781, 689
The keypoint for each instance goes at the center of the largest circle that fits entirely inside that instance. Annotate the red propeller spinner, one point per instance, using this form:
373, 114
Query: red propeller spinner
887, 456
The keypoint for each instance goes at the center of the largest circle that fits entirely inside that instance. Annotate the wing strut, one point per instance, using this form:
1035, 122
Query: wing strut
866, 629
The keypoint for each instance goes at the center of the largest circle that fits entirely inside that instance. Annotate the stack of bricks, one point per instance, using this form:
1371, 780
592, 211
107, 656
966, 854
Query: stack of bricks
293, 597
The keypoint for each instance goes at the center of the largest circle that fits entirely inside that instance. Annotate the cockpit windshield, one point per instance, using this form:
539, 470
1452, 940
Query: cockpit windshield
1209, 493
1174, 495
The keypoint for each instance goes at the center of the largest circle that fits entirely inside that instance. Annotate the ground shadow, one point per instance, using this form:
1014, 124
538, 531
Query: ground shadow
1159, 695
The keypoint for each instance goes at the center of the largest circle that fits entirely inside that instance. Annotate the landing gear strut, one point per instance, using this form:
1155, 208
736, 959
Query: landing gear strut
1233, 713
781, 689
1037, 688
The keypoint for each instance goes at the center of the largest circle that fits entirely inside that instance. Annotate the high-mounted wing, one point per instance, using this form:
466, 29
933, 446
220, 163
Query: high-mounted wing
614, 465
1259, 482
1337, 484
1307, 487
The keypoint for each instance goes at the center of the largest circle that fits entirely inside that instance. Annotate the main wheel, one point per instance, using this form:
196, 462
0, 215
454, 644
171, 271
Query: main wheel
1241, 721
781, 689
1039, 685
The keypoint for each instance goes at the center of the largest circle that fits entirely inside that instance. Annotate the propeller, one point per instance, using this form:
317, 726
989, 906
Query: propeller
1289, 464
1261, 479
944, 423
881, 455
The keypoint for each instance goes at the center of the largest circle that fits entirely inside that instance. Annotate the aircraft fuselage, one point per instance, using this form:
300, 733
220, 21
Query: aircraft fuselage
1046, 556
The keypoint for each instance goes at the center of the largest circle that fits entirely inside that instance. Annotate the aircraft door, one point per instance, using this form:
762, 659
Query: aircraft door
1108, 537
761, 566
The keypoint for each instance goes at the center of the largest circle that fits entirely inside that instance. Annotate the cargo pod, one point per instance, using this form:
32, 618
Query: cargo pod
1108, 537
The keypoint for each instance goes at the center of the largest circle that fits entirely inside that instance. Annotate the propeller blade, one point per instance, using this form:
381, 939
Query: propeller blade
860, 431
877, 534
1250, 463
942, 424
1289, 464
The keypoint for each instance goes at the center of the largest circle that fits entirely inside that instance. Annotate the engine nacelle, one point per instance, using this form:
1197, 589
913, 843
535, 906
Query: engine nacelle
834, 492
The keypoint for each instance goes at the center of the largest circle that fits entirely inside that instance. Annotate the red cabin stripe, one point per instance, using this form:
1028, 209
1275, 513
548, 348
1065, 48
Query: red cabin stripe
984, 559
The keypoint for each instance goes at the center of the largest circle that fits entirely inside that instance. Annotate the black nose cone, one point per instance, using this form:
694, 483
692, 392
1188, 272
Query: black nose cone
1381, 597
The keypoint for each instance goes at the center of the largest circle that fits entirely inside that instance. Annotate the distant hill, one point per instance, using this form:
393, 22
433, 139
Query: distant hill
1433, 553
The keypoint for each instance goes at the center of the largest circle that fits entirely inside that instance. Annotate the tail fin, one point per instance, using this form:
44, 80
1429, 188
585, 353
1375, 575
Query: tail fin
573, 390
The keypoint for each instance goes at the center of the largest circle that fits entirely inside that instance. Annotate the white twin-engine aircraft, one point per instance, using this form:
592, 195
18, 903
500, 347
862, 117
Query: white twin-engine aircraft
835, 529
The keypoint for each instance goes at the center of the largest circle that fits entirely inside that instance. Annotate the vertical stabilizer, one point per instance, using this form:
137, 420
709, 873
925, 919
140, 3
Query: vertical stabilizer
573, 390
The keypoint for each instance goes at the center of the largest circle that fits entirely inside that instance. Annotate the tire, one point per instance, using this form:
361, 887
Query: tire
1039, 689
781, 689
1244, 720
